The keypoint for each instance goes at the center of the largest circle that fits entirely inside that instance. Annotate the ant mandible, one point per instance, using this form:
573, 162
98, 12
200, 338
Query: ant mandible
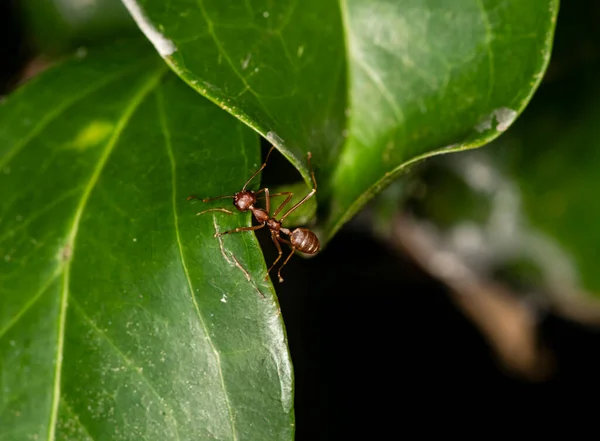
301, 239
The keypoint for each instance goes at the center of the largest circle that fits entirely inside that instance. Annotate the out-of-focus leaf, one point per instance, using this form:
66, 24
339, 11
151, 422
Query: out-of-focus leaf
539, 217
552, 157
56, 26
368, 86
121, 316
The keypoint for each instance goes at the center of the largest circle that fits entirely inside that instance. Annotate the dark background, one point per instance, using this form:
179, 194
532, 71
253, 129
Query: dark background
379, 348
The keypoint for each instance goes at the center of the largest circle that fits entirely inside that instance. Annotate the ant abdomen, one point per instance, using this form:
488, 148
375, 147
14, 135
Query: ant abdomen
305, 241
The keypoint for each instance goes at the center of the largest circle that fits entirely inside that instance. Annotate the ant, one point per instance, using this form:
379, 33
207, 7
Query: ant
301, 239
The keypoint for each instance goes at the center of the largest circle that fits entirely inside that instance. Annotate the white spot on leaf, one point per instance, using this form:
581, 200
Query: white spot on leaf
246, 61
66, 253
503, 117
81, 52
274, 138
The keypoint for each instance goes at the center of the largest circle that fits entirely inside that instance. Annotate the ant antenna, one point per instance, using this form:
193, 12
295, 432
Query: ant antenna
259, 170
309, 195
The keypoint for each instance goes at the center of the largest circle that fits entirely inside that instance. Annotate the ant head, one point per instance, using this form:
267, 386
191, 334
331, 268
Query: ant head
244, 199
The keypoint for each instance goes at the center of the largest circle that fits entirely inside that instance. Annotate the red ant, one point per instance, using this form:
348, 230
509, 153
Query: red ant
301, 239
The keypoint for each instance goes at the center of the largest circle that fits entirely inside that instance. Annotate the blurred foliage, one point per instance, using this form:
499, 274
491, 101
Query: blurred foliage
56, 26
547, 166
445, 191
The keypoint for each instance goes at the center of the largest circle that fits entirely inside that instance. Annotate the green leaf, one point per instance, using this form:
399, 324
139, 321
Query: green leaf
552, 158
526, 209
368, 86
121, 316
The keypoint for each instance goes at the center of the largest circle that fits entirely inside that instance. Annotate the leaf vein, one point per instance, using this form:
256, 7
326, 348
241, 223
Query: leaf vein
56, 111
30, 303
26, 222
169, 147
137, 98
138, 370
383, 90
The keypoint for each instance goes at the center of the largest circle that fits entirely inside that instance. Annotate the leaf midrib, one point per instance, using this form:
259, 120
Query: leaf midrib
136, 100
169, 148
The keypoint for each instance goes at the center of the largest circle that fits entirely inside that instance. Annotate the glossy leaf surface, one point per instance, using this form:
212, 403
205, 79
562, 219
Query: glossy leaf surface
121, 316
367, 86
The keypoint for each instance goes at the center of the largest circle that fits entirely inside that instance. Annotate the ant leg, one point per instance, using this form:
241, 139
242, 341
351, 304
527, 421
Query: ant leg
274, 237
284, 203
283, 264
273, 194
237, 230
224, 210
289, 197
259, 170
268, 200
309, 195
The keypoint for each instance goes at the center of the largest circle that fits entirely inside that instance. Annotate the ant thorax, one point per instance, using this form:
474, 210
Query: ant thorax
261, 215
273, 224
244, 200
